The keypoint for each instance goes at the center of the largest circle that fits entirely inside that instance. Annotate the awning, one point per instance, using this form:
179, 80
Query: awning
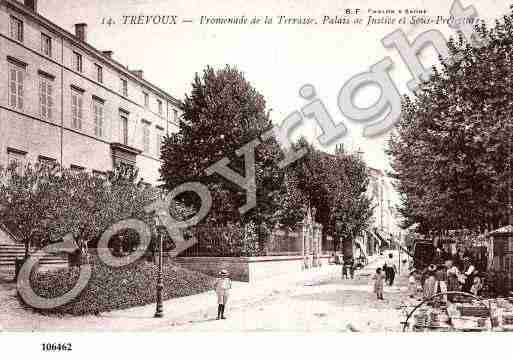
370, 233
360, 244
503, 230
382, 237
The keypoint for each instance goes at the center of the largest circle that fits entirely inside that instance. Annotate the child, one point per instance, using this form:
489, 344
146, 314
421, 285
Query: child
412, 284
476, 286
344, 271
379, 280
352, 268
222, 288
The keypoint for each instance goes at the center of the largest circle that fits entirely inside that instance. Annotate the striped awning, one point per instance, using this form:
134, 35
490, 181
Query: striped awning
360, 244
382, 236
371, 233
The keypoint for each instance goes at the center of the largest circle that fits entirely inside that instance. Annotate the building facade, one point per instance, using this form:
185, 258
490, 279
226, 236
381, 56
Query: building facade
63, 100
385, 219
379, 191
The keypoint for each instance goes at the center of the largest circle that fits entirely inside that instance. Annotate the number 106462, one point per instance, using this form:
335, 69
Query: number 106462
56, 347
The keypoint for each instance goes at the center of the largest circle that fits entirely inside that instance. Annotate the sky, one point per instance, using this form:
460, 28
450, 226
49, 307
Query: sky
276, 59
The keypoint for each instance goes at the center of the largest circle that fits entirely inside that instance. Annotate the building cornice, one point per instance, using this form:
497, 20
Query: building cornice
125, 148
19, 7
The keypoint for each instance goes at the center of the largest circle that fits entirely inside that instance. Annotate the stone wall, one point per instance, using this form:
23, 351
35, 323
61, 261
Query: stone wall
246, 269
238, 267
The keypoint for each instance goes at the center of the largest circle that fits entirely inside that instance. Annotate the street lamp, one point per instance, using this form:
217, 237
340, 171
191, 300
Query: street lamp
159, 312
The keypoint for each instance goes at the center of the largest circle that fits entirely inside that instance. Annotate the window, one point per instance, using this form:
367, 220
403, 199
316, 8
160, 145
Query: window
99, 73
47, 162
16, 76
76, 109
123, 116
16, 29
16, 158
46, 97
77, 169
146, 136
77, 62
98, 118
159, 103
124, 87
175, 115
158, 142
146, 99
100, 174
46, 45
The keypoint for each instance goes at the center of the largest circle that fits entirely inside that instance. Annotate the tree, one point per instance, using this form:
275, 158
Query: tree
305, 186
335, 185
222, 114
27, 197
451, 153
42, 204
351, 207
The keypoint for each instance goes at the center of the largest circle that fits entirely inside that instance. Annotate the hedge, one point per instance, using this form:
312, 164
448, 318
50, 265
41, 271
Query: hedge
117, 288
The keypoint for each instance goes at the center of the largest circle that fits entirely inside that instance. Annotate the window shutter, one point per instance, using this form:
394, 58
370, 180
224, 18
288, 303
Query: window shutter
20, 89
79, 112
49, 102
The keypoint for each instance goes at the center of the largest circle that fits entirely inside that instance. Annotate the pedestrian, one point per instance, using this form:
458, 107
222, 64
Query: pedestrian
379, 279
453, 284
470, 271
351, 268
386, 272
434, 285
412, 284
476, 286
344, 271
222, 288
392, 269
428, 287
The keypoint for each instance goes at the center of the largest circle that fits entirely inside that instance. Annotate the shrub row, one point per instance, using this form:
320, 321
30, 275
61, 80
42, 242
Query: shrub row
118, 288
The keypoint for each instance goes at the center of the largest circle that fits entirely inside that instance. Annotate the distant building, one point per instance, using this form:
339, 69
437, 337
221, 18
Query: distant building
380, 191
63, 100
385, 217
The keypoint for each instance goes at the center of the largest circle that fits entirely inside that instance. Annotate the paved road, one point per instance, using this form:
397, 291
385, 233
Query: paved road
316, 300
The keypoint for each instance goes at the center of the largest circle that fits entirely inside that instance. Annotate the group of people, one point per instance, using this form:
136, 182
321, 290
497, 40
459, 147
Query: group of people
383, 275
447, 277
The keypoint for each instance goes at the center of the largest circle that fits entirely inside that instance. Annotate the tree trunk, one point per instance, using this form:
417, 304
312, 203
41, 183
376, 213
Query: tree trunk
347, 248
27, 248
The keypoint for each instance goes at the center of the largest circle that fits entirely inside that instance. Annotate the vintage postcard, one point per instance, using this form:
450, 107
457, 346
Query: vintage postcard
255, 166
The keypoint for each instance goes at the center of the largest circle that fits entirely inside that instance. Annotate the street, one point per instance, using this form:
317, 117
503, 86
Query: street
314, 300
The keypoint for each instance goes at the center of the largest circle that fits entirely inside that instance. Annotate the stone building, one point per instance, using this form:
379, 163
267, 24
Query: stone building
63, 100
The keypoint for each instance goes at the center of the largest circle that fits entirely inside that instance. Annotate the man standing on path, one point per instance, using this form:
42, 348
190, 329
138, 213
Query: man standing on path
391, 269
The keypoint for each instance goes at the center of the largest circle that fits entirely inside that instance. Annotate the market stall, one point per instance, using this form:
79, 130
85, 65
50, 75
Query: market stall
464, 312
501, 256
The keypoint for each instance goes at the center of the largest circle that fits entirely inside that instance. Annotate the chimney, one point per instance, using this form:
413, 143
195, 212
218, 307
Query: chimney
31, 4
138, 73
108, 53
81, 31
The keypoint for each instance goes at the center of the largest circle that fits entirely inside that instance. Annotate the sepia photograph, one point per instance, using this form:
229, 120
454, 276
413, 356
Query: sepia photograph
265, 167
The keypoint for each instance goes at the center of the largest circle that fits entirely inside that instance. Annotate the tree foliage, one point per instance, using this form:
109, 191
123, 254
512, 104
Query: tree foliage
222, 114
335, 185
451, 153
42, 203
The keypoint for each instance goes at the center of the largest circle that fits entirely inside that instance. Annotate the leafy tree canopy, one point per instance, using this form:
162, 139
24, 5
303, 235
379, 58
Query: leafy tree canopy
451, 152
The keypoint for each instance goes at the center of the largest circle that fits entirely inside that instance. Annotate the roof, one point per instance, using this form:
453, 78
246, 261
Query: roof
503, 230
